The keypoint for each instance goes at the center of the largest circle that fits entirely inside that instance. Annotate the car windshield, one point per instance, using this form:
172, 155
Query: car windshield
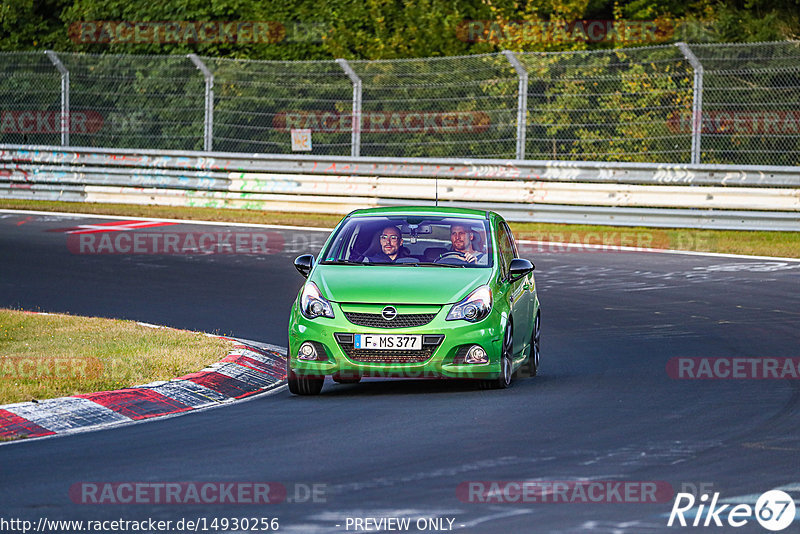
412, 241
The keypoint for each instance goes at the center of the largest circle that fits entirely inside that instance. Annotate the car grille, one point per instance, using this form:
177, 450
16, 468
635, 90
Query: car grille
403, 320
429, 345
388, 356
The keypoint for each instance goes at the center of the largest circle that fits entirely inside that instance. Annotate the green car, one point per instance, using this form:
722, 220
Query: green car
413, 292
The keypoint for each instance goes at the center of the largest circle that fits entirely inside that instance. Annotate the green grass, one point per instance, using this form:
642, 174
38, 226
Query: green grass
779, 244
178, 212
782, 244
47, 356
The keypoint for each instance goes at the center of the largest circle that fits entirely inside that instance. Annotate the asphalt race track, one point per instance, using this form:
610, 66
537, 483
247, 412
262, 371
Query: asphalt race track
604, 407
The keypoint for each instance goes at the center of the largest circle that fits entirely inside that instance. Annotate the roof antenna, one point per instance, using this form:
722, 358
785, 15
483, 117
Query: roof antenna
436, 181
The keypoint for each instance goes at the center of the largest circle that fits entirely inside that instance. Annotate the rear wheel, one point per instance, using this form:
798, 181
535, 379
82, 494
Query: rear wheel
506, 363
303, 385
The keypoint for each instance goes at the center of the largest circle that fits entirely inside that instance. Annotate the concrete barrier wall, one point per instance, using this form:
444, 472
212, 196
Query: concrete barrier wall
700, 196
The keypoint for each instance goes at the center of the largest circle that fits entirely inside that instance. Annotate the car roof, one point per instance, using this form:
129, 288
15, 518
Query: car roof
444, 211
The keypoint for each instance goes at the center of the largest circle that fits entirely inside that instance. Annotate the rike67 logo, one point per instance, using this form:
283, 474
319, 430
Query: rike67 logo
774, 510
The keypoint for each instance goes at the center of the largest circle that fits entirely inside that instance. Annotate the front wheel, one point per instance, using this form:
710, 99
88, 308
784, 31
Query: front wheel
536, 339
303, 385
531, 365
506, 363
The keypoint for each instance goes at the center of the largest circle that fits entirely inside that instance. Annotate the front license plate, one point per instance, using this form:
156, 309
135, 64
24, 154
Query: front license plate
387, 342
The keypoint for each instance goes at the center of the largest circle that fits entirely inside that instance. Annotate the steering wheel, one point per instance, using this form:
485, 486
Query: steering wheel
450, 254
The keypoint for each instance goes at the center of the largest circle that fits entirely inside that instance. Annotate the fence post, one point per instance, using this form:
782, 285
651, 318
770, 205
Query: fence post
697, 99
65, 122
208, 123
355, 136
522, 102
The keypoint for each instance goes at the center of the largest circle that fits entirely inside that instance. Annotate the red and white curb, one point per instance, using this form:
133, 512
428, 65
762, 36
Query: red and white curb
248, 369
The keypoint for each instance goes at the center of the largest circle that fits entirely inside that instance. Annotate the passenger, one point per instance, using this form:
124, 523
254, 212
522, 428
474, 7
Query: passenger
392, 249
461, 237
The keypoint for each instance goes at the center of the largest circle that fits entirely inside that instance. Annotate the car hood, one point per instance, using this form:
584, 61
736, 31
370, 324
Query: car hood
396, 284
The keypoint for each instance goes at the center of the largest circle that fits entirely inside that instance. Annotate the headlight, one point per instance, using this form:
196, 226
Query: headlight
312, 304
474, 308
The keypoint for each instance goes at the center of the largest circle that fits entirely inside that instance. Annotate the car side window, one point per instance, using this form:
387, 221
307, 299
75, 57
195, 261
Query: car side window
506, 247
511, 238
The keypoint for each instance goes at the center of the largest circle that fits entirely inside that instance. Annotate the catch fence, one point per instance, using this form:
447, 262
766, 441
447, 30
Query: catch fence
734, 104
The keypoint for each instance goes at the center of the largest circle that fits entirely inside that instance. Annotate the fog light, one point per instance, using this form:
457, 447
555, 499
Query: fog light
307, 352
476, 354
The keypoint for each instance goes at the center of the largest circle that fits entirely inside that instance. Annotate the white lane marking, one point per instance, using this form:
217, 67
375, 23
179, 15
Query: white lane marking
617, 528
500, 515
442, 472
762, 267
117, 227
314, 229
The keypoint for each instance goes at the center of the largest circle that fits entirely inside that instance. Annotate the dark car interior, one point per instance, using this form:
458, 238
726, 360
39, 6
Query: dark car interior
368, 244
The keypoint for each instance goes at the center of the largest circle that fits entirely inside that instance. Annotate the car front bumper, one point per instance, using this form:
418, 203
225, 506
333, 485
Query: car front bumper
454, 336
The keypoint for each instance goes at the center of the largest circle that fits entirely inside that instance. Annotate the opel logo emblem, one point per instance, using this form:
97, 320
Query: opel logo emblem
389, 313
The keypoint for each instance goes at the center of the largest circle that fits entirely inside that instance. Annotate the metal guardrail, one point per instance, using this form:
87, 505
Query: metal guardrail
544, 170
625, 194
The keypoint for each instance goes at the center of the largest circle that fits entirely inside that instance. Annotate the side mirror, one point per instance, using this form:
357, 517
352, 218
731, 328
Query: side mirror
519, 267
303, 264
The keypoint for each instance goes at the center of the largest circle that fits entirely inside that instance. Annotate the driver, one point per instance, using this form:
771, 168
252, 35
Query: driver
391, 246
461, 241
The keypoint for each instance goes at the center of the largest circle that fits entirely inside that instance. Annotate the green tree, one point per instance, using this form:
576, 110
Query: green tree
32, 24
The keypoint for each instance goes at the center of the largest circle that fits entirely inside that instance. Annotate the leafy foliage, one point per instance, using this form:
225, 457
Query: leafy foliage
388, 29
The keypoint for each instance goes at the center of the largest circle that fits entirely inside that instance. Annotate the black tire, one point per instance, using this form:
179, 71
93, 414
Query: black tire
303, 385
531, 365
536, 344
507, 363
